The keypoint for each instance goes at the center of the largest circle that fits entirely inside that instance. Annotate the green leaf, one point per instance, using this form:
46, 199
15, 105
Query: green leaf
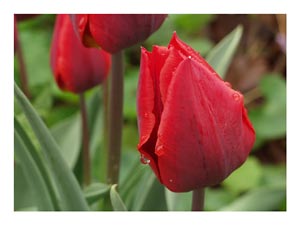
39, 161
129, 179
68, 136
274, 176
247, 177
35, 43
70, 193
260, 199
43, 102
202, 45
130, 86
23, 194
215, 198
116, 201
221, 55
178, 201
269, 120
191, 23
95, 191
143, 190
33, 175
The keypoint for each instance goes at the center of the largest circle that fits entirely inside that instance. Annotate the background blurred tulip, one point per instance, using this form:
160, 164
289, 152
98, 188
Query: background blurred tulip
75, 67
114, 32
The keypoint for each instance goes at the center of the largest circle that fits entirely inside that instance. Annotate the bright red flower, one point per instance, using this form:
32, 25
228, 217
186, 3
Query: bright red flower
194, 130
75, 67
114, 32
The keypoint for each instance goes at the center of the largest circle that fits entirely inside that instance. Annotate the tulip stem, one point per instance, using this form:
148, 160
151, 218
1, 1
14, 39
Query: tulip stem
22, 67
85, 142
198, 200
104, 152
115, 118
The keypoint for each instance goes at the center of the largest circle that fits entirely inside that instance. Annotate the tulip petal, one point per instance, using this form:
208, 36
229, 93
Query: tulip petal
75, 67
114, 32
81, 27
186, 50
146, 116
203, 135
167, 70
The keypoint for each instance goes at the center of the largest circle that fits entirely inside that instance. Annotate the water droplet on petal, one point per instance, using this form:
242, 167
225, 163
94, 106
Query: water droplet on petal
236, 96
189, 57
144, 160
146, 115
171, 180
159, 150
228, 84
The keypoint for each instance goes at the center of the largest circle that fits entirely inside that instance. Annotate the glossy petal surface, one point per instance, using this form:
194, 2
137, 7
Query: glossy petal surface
196, 131
202, 137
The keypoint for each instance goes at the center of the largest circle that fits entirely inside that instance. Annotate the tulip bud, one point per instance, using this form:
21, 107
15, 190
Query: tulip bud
114, 32
75, 67
194, 129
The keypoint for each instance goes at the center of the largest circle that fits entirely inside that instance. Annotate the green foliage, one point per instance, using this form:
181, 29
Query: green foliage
47, 161
247, 177
33, 175
24, 199
35, 42
95, 192
260, 199
221, 55
191, 23
72, 197
269, 119
67, 134
116, 201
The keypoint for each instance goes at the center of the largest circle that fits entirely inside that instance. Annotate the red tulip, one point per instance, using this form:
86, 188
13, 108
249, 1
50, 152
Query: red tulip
75, 67
114, 32
194, 130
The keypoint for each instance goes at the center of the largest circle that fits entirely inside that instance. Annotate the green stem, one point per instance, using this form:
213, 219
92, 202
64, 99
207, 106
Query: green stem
104, 152
85, 142
115, 118
198, 200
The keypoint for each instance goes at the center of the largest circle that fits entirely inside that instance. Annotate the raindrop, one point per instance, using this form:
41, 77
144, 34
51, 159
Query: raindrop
146, 115
144, 160
159, 150
171, 180
236, 96
189, 57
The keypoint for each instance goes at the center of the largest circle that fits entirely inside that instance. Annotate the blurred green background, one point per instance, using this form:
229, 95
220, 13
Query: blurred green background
258, 70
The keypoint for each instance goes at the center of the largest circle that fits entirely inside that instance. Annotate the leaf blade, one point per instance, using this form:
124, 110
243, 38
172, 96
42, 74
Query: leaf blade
116, 201
93, 192
259, 199
39, 162
221, 55
33, 175
68, 187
